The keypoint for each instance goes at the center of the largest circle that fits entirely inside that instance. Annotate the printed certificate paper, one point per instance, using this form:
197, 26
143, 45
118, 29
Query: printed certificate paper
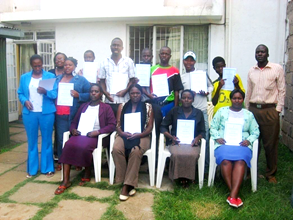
185, 131
90, 70
160, 85
47, 83
233, 133
228, 76
198, 81
132, 123
119, 82
64, 96
143, 74
86, 123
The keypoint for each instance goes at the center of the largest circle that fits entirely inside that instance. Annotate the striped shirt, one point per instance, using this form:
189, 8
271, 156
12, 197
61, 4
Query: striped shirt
108, 67
266, 86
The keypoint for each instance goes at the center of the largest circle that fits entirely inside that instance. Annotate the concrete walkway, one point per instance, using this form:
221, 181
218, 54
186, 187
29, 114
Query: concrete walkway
22, 198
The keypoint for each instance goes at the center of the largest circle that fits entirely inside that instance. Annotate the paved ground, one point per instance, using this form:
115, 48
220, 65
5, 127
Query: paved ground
22, 198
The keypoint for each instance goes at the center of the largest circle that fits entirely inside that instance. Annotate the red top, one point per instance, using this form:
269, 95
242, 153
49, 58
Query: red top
62, 110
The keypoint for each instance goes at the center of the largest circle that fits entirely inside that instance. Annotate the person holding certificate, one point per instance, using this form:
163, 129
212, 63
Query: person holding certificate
72, 92
78, 149
220, 96
183, 142
89, 58
132, 141
38, 111
232, 157
59, 60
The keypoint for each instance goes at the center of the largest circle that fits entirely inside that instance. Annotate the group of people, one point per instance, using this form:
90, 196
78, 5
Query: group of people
264, 100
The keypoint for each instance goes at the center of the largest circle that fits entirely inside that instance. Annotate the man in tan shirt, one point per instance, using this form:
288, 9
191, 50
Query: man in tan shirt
265, 99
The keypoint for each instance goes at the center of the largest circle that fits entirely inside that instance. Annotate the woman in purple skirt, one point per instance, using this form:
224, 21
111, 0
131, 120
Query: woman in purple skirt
78, 149
233, 158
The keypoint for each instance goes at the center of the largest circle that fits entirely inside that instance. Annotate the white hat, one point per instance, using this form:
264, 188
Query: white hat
189, 54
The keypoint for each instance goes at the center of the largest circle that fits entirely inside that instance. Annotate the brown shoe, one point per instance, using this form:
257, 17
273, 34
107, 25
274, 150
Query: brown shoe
272, 180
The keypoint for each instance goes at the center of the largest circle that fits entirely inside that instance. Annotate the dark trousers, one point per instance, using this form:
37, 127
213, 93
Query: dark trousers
61, 126
269, 126
114, 108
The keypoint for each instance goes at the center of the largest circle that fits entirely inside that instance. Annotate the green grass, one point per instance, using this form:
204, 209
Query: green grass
271, 201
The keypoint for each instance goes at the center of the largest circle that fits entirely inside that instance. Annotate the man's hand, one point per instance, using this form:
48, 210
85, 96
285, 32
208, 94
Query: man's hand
221, 83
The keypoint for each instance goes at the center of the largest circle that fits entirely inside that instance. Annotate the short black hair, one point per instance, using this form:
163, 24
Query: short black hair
65, 57
73, 60
147, 49
217, 60
136, 86
189, 91
264, 47
89, 51
237, 91
98, 85
166, 47
35, 57
117, 38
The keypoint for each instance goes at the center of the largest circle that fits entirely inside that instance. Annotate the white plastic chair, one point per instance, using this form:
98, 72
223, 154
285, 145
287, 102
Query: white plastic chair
97, 155
253, 163
150, 153
164, 153
210, 111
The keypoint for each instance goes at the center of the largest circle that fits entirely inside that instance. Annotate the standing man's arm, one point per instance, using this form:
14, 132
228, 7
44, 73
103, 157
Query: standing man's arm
281, 90
176, 98
104, 87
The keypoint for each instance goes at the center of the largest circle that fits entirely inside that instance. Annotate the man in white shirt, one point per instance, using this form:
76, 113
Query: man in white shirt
200, 99
110, 68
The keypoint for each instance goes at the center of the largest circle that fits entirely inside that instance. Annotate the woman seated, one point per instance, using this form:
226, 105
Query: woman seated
131, 146
234, 159
184, 156
78, 149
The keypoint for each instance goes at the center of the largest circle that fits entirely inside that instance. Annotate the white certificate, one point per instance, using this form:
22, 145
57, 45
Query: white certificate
132, 123
228, 76
47, 83
185, 131
86, 123
143, 74
90, 70
198, 81
64, 96
119, 82
160, 85
233, 133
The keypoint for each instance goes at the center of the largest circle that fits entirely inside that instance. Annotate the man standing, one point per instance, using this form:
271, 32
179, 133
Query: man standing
221, 97
111, 67
174, 81
146, 58
200, 99
265, 99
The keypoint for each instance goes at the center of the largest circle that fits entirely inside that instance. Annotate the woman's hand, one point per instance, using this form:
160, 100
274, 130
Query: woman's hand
75, 132
74, 94
29, 105
203, 93
175, 140
93, 134
195, 142
126, 134
235, 81
244, 143
221, 141
41, 90
134, 136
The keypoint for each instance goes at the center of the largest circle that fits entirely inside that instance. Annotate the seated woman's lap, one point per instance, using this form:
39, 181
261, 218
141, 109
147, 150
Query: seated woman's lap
233, 153
184, 150
78, 151
119, 146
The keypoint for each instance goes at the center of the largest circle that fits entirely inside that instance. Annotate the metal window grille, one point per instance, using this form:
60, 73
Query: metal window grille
140, 38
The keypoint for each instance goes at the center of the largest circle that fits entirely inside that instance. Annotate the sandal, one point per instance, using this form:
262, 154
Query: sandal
49, 174
84, 181
59, 167
61, 189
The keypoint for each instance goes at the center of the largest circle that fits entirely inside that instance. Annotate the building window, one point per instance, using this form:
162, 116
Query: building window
140, 38
179, 38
